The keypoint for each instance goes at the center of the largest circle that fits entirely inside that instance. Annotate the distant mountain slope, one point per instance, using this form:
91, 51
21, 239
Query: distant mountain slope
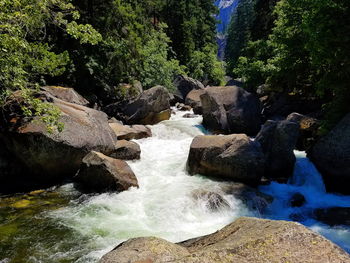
226, 7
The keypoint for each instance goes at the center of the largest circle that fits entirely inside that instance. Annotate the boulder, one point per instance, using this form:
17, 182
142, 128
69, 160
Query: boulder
66, 94
213, 201
250, 196
145, 250
175, 98
183, 107
189, 116
100, 173
278, 140
134, 132
246, 240
308, 130
193, 99
12, 173
331, 156
126, 150
233, 157
151, 107
186, 84
52, 157
333, 216
231, 110
297, 200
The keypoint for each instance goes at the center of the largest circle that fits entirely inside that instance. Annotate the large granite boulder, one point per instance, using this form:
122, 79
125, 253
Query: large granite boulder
278, 140
234, 157
51, 157
186, 84
132, 132
231, 110
66, 94
126, 150
11, 169
246, 240
331, 156
100, 173
193, 99
308, 130
151, 107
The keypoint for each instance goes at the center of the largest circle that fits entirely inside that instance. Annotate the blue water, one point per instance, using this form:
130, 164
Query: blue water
308, 182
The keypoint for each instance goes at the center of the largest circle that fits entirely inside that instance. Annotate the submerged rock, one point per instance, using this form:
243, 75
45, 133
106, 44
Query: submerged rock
189, 116
333, 216
213, 201
126, 150
250, 196
278, 140
183, 107
100, 173
233, 157
247, 240
133, 132
297, 200
231, 110
331, 156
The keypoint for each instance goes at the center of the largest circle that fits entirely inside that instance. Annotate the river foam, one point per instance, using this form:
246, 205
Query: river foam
164, 204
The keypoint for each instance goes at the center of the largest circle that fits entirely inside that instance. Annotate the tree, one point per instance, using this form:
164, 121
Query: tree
26, 57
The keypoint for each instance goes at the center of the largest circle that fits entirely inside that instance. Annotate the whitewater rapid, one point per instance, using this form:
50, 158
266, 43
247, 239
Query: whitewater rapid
164, 205
68, 226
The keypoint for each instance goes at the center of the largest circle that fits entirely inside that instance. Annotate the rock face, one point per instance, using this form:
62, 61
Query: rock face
278, 140
193, 99
331, 155
66, 94
247, 240
233, 157
10, 169
213, 201
51, 157
134, 132
231, 110
126, 150
150, 108
186, 84
308, 130
100, 173
333, 216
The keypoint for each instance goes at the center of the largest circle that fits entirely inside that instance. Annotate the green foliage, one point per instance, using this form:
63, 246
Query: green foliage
253, 68
205, 66
239, 32
156, 68
26, 56
307, 52
191, 26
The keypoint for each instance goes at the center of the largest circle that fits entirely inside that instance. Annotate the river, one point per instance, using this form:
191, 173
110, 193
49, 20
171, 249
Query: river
64, 225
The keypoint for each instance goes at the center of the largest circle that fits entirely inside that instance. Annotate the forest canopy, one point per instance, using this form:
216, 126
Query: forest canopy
299, 47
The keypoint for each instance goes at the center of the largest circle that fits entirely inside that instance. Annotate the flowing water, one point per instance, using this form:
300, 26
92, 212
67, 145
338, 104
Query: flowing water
63, 225
308, 182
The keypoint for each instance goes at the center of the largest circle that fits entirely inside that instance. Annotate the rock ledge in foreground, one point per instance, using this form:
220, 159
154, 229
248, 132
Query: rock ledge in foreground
247, 240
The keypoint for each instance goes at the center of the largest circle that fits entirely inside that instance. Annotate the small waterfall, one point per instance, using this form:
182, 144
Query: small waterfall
306, 174
308, 183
